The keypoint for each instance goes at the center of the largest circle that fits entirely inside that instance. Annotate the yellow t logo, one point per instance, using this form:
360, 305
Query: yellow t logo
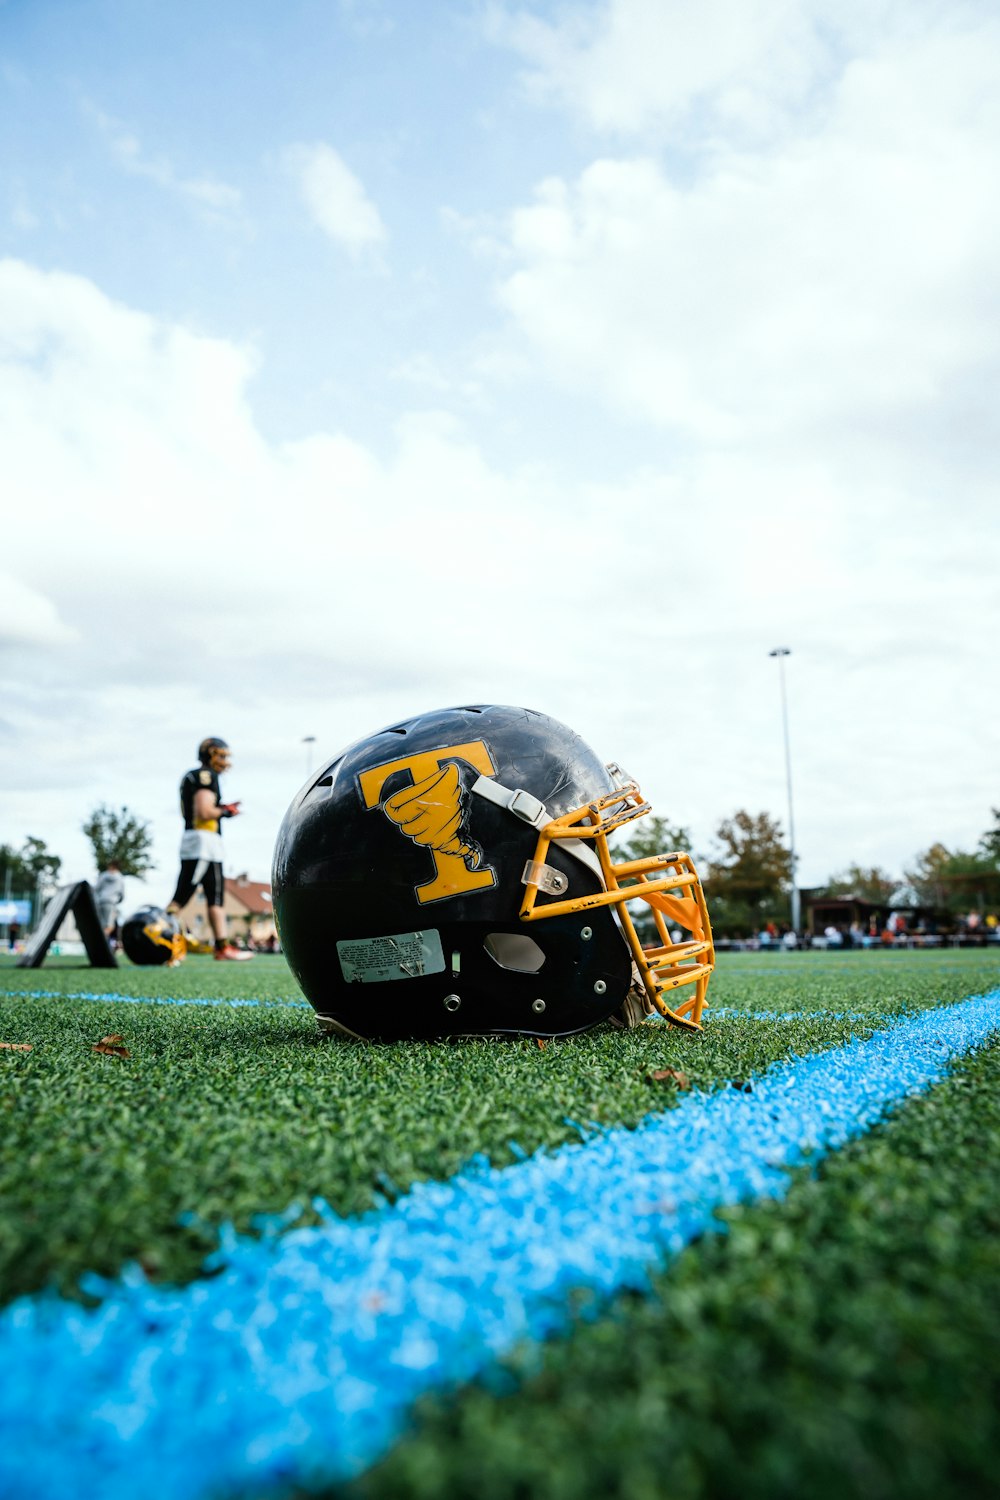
430, 812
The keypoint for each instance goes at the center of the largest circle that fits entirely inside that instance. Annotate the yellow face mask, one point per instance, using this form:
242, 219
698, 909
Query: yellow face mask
215, 755
667, 883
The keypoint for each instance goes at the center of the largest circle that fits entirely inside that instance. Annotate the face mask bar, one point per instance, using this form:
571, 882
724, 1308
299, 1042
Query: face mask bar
176, 943
668, 883
216, 757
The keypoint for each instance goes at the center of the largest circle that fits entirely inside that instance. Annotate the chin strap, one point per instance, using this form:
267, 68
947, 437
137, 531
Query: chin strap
636, 1008
521, 803
531, 810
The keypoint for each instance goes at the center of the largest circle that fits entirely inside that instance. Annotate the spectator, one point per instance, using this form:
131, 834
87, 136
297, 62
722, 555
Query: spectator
109, 893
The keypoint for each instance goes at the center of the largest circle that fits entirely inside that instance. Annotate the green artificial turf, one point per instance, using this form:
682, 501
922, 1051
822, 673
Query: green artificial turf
224, 1114
844, 1343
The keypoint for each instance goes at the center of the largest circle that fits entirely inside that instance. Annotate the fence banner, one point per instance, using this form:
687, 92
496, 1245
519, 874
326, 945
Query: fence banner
15, 911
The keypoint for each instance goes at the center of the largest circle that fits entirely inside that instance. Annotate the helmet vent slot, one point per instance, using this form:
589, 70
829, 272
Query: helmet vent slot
514, 950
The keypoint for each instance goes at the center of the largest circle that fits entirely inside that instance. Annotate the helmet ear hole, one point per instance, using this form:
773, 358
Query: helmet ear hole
514, 950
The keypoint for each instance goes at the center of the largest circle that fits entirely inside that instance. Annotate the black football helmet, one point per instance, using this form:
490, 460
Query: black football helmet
451, 876
213, 753
153, 936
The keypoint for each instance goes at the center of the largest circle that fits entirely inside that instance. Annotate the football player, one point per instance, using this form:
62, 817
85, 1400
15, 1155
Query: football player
203, 810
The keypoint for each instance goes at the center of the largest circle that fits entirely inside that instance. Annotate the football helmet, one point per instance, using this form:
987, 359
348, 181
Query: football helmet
451, 876
153, 936
214, 754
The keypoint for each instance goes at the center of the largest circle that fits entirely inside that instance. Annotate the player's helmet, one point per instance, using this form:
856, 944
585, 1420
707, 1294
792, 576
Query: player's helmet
214, 754
451, 875
153, 936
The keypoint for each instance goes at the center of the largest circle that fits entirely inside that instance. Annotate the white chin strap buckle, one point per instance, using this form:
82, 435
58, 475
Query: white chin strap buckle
531, 810
521, 803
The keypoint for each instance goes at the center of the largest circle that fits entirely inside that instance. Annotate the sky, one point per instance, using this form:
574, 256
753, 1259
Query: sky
358, 358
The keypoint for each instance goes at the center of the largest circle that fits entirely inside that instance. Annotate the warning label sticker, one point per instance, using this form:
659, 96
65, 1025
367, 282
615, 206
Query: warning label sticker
404, 955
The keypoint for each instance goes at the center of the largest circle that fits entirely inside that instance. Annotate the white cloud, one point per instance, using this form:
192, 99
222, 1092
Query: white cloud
209, 575
776, 269
796, 283
705, 77
335, 197
21, 216
632, 64
28, 618
209, 193
848, 276
220, 583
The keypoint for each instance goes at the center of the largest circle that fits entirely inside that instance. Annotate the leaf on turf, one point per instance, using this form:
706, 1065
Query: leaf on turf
16, 1046
669, 1075
108, 1045
541, 1044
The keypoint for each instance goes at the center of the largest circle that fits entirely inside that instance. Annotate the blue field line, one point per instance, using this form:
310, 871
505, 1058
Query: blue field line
792, 1015
298, 1362
234, 1000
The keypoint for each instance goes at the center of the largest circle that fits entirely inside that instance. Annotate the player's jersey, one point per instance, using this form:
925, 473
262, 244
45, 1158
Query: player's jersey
109, 889
202, 837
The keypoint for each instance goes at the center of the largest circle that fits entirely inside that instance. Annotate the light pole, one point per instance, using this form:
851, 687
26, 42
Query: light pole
781, 652
309, 740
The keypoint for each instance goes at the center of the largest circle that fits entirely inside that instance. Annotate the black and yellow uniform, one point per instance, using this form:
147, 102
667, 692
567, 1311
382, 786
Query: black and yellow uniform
201, 842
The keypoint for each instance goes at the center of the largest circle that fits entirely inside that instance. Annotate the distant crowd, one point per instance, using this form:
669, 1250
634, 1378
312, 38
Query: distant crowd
974, 928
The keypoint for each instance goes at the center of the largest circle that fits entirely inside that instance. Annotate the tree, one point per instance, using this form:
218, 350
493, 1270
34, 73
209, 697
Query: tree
25, 869
928, 876
30, 872
954, 880
989, 844
749, 875
119, 836
652, 835
873, 884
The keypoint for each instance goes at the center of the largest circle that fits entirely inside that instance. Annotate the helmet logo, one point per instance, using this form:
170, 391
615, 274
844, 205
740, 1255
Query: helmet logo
431, 811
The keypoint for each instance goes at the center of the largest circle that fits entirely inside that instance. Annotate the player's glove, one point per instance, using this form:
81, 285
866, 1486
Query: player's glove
229, 809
